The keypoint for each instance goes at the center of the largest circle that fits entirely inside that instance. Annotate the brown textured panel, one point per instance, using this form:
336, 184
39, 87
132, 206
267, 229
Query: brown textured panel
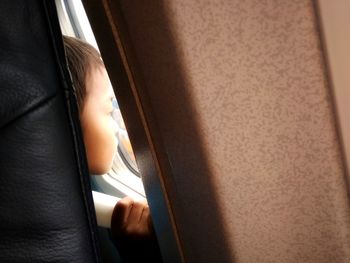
334, 16
242, 114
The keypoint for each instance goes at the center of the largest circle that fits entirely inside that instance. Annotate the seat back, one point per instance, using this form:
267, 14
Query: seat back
46, 209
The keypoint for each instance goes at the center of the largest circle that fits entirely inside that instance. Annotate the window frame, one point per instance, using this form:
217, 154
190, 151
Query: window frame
107, 23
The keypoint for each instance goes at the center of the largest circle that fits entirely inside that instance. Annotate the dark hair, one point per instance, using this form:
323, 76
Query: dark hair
82, 58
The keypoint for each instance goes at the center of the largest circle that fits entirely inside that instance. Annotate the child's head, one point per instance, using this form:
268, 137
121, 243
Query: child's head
94, 96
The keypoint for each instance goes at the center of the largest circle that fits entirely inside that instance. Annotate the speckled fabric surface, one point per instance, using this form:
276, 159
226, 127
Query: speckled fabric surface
240, 87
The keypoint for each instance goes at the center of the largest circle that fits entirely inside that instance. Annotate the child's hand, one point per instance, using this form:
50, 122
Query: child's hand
133, 232
131, 219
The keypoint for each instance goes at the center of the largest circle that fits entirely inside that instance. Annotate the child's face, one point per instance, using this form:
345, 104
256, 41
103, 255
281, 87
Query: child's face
97, 124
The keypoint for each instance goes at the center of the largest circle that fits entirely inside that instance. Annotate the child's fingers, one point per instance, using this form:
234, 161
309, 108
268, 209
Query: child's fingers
144, 214
145, 225
132, 219
136, 214
146, 221
136, 241
121, 213
136, 211
145, 209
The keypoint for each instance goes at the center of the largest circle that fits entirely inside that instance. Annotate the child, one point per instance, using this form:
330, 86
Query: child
131, 224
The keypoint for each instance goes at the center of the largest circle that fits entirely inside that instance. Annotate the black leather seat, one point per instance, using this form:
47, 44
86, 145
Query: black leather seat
46, 209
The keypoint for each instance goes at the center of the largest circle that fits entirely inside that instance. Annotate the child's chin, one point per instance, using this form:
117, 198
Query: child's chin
100, 168
101, 171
